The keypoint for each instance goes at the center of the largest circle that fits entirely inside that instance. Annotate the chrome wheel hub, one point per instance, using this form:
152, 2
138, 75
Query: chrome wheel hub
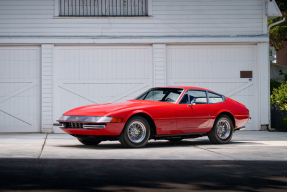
223, 128
136, 132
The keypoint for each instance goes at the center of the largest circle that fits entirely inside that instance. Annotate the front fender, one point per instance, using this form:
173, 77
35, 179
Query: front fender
137, 112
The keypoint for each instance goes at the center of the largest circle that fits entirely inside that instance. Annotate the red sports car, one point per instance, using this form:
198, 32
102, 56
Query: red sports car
171, 113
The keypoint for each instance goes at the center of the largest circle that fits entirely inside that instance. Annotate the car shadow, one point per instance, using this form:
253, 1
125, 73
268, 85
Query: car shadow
155, 144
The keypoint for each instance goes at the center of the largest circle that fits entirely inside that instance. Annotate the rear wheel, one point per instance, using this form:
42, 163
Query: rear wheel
136, 132
222, 130
89, 141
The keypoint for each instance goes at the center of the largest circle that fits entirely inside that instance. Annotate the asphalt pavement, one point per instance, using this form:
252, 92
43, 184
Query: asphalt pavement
253, 161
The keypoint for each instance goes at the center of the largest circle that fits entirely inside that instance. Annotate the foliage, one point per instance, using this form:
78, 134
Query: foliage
279, 97
273, 84
278, 33
282, 4
278, 118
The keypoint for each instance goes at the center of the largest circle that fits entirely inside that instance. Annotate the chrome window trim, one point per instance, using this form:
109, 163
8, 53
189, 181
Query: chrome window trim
196, 90
179, 95
207, 97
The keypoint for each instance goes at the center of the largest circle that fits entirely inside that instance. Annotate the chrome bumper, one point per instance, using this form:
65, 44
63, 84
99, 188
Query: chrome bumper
239, 128
94, 126
84, 126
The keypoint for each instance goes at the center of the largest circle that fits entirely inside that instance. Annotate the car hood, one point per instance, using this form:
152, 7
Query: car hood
104, 109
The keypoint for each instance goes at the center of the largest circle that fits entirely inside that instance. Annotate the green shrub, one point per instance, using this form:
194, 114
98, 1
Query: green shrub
278, 119
279, 97
279, 108
273, 84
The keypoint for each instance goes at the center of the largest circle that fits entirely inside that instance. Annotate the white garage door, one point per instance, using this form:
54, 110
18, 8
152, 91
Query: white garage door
19, 85
217, 68
91, 75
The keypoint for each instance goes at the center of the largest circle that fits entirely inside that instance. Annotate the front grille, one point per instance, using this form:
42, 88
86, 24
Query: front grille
74, 125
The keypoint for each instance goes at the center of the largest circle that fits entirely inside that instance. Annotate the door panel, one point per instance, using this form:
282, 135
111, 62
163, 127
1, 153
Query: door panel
193, 111
20, 88
192, 116
217, 68
99, 74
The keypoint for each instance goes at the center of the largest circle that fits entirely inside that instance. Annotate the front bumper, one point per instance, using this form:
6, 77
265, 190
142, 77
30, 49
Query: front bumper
113, 129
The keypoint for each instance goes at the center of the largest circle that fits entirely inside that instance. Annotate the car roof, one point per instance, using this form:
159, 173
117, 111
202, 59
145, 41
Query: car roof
183, 87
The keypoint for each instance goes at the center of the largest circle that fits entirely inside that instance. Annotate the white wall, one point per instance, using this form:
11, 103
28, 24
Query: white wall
169, 17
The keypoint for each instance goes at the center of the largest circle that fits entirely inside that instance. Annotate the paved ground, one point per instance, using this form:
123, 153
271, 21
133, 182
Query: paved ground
141, 175
253, 161
245, 145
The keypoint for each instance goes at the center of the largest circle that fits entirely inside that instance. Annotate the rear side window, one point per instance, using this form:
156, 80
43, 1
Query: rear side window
215, 98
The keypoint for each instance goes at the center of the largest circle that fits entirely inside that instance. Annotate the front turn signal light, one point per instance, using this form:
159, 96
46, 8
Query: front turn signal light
116, 120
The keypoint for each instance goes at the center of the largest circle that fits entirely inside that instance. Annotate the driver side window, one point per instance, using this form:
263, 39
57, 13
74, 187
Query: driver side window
197, 96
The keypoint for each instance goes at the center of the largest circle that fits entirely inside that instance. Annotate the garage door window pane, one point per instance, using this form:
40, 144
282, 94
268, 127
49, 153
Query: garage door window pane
214, 98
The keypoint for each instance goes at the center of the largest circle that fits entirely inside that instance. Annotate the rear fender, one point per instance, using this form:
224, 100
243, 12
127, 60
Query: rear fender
227, 112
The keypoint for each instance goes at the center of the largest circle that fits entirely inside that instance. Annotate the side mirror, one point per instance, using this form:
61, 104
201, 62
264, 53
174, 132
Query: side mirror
192, 102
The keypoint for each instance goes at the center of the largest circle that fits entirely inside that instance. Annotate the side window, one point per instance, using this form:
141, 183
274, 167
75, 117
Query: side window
197, 96
215, 98
184, 99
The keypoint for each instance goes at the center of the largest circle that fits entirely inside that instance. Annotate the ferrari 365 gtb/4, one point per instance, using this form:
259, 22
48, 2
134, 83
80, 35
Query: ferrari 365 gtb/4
171, 113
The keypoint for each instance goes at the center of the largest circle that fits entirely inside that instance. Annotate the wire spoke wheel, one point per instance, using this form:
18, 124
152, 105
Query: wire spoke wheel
136, 132
223, 128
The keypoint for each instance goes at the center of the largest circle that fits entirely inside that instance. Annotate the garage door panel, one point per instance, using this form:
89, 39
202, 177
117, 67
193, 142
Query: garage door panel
101, 92
91, 75
21, 104
19, 84
99, 63
217, 67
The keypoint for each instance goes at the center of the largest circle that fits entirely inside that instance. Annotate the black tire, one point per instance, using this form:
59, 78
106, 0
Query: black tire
138, 135
216, 135
89, 141
174, 139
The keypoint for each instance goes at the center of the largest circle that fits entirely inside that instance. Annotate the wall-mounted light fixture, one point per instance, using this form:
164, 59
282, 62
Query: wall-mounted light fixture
281, 72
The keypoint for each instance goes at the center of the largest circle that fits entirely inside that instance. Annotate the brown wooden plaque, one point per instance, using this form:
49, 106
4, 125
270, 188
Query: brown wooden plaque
245, 74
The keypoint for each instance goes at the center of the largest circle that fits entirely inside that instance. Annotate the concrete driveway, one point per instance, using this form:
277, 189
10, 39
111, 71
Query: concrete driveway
254, 161
245, 145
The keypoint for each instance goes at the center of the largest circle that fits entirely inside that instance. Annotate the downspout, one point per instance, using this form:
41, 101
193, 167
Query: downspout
278, 22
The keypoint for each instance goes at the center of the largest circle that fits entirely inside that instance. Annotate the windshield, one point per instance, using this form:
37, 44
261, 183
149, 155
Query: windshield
161, 94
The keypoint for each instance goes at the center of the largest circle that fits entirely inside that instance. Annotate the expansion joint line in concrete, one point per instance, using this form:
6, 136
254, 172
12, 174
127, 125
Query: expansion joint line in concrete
214, 152
43, 146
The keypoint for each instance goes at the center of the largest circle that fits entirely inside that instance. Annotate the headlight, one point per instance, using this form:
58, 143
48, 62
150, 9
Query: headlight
91, 119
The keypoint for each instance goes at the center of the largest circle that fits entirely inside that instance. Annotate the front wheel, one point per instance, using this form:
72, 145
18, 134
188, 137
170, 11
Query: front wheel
136, 133
222, 130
